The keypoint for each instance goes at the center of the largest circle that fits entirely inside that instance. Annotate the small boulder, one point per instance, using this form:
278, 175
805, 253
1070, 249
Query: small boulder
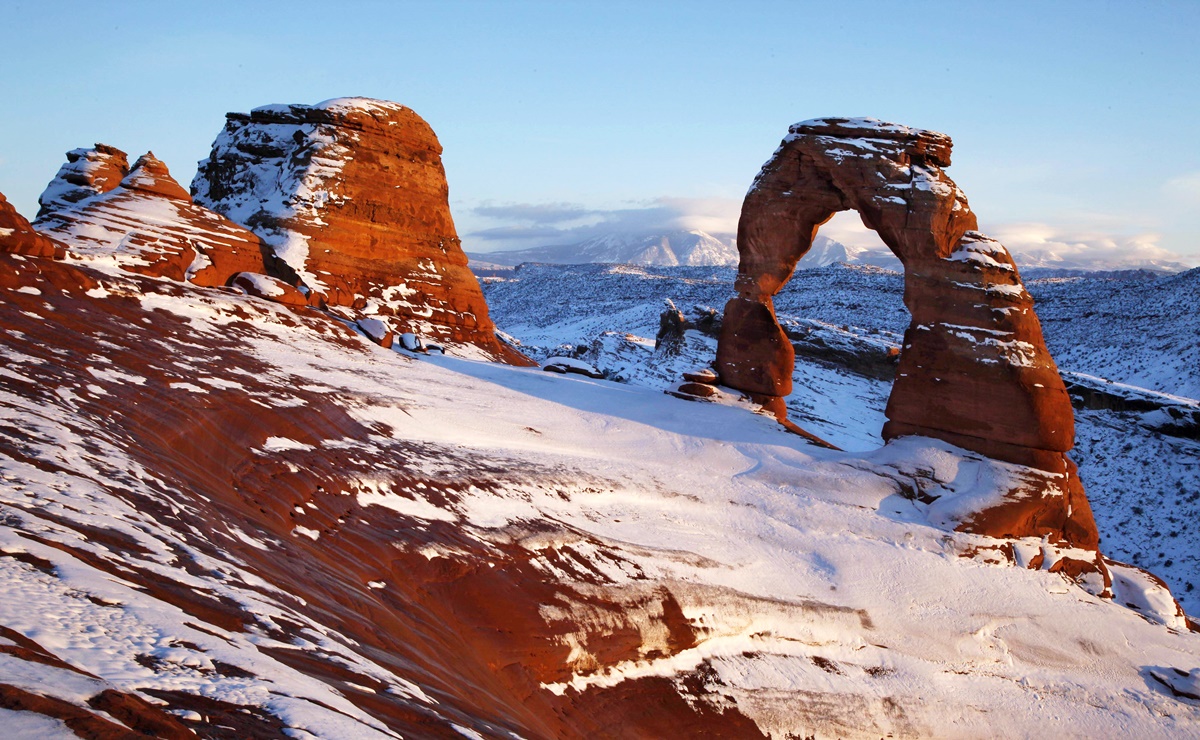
703, 375
412, 342
571, 365
698, 389
377, 330
268, 288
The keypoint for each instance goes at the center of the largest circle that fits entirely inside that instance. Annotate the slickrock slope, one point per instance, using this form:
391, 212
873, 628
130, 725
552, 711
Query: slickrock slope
266, 526
974, 369
352, 198
18, 237
87, 172
148, 224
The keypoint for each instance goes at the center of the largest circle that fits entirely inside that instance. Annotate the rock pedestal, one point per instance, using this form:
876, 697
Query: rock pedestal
351, 196
974, 369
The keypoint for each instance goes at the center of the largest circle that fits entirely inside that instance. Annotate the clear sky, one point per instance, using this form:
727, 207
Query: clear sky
1076, 124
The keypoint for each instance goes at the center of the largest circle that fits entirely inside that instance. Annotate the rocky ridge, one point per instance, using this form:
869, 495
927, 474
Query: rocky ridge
148, 224
351, 198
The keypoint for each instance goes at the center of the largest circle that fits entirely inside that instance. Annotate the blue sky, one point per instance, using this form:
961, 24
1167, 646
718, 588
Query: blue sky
1075, 123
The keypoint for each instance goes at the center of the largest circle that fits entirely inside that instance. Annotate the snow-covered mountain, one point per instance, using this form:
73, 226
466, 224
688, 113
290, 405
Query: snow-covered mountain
668, 249
676, 248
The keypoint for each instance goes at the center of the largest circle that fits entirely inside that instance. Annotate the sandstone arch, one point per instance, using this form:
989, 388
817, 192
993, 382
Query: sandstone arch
974, 370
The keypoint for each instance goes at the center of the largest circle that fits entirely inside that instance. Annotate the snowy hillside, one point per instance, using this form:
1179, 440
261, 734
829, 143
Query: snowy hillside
1144, 485
224, 517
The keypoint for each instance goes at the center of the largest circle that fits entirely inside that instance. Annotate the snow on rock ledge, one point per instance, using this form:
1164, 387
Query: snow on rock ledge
351, 196
87, 172
148, 224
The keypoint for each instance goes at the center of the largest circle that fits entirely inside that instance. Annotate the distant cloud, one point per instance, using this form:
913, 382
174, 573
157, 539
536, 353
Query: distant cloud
1034, 243
540, 213
1046, 244
519, 225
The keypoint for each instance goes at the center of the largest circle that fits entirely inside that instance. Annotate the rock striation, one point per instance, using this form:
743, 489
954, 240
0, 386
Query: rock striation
974, 370
351, 197
147, 223
87, 172
18, 237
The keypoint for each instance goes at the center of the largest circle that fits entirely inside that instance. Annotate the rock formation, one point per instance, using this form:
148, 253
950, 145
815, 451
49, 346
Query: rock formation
351, 196
18, 237
148, 223
87, 172
974, 369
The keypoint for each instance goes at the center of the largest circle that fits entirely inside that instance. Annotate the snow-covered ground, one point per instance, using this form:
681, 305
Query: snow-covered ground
1140, 330
823, 600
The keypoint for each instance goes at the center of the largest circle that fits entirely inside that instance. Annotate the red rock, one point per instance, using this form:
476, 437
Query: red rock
702, 390
149, 225
704, 375
974, 370
378, 330
18, 237
352, 197
87, 172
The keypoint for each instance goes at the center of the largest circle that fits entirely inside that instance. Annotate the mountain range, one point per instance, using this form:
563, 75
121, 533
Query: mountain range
698, 248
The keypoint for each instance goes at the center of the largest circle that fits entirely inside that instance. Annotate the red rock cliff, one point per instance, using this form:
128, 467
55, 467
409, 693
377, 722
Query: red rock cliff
351, 196
974, 370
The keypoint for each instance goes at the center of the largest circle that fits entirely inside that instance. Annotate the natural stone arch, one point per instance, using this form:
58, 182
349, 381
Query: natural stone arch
974, 370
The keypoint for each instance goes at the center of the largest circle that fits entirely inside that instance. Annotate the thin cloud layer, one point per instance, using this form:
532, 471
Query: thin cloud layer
522, 225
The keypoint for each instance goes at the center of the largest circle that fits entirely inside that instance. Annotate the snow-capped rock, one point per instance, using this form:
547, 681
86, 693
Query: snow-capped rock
149, 224
87, 172
351, 198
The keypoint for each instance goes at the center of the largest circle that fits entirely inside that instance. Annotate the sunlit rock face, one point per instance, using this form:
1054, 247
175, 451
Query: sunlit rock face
351, 196
148, 224
974, 369
18, 237
87, 172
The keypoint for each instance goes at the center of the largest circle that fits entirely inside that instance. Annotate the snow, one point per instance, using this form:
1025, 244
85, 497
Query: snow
264, 285
1144, 486
32, 726
376, 329
816, 580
